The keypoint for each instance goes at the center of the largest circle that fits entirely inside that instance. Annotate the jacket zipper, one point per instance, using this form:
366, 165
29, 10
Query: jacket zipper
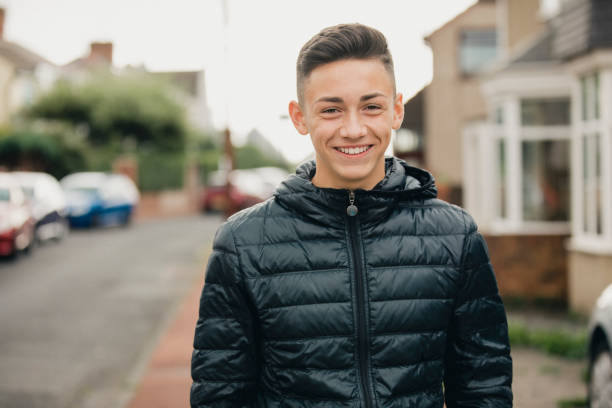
362, 331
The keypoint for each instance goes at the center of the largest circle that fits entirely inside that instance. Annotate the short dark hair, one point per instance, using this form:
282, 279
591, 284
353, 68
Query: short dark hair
339, 42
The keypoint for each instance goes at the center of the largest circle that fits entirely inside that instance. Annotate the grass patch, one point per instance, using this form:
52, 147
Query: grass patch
558, 343
520, 302
549, 369
580, 402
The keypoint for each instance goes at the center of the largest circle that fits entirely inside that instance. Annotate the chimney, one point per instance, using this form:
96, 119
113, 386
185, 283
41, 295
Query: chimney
1, 23
102, 51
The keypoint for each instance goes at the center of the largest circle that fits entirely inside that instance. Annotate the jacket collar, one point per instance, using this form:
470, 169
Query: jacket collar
325, 205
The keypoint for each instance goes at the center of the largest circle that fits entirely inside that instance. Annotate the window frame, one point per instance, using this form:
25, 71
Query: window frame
482, 165
460, 49
592, 118
514, 134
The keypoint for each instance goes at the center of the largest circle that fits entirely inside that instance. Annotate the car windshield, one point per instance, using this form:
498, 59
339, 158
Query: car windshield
5, 194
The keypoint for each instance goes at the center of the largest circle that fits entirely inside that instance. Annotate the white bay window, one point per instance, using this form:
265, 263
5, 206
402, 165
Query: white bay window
592, 155
517, 164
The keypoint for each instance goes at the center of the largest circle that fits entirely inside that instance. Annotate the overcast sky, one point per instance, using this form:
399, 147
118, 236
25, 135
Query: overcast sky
264, 37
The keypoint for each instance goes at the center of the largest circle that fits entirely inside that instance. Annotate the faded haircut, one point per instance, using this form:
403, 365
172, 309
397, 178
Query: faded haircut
340, 42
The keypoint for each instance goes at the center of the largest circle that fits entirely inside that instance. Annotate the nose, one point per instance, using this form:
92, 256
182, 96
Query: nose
352, 127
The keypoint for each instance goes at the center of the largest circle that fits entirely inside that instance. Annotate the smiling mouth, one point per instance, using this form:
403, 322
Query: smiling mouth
354, 150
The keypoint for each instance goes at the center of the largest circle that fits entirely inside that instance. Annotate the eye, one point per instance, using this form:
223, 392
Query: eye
330, 111
372, 107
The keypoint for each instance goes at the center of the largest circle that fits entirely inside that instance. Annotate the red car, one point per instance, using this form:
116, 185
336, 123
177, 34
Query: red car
248, 187
16, 220
215, 199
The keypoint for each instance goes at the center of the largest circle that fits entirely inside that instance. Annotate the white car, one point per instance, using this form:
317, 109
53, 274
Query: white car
16, 221
48, 203
600, 357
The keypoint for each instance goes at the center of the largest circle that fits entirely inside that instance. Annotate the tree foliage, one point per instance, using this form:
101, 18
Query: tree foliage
121, 110
38, 151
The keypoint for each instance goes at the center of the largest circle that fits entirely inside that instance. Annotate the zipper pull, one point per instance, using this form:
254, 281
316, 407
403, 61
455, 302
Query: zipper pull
352, 209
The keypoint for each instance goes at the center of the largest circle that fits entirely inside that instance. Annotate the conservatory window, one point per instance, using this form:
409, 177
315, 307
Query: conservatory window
503, 187
545, 181
532, 162
545, 112
591, 175
589, 87
498, 116
520, 181
591, 145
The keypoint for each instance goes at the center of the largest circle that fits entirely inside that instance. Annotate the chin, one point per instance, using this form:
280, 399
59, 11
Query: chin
355, 177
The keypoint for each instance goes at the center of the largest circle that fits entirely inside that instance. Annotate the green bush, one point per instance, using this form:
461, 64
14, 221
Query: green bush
208, 162
578, 402
101, 158
38, 151
157, 171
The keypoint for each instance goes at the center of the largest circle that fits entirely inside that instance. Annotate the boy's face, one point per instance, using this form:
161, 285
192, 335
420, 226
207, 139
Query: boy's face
349, 109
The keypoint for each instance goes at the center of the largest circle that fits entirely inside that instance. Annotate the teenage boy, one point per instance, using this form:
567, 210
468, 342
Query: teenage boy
354, 286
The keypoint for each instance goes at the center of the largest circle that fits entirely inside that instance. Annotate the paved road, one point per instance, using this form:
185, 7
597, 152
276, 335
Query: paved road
79, 319
542, 381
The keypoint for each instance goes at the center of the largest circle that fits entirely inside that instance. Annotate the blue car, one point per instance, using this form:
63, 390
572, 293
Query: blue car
99, 199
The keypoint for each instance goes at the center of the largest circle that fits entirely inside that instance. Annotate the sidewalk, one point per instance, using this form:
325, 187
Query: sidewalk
167, 380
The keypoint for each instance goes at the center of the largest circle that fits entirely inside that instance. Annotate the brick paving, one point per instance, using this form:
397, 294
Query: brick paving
167, 379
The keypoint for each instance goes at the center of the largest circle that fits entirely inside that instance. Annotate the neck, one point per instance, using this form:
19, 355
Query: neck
320, 180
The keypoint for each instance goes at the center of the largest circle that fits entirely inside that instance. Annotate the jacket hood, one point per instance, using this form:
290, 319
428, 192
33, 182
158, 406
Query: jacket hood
401, 183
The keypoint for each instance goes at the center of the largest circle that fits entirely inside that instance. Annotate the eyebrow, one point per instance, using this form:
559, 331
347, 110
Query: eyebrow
371, 96
333, 99
336, 99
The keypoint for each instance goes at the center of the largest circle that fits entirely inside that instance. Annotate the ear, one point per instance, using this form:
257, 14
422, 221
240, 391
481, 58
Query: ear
297, 117
398, 111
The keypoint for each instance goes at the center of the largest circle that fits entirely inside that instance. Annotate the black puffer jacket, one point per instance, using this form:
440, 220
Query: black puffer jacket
305, 306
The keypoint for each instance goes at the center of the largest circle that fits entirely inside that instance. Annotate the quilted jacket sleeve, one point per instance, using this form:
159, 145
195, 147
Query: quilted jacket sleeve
478, 370
223, 364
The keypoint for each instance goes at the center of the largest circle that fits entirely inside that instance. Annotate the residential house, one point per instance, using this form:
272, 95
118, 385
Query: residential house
189, 87
464, 46
538, 169
23, 75
490, 139
587, 49
459, 48
100, 58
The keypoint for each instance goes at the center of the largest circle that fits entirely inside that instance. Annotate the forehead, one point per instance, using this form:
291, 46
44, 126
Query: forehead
349, 77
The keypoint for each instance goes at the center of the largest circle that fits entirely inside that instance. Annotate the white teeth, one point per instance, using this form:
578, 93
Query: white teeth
353, 150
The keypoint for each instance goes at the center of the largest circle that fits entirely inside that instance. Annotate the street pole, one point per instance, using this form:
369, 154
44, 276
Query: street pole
228, 153
228, 148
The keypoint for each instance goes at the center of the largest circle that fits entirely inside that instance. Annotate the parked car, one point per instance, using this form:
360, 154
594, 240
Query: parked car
48, 203
16, 220
248, 187
99, 199
600, 357
215, 197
